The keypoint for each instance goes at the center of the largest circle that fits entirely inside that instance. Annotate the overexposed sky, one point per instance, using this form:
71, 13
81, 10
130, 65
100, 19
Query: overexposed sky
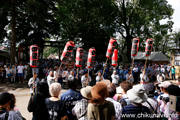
176, 16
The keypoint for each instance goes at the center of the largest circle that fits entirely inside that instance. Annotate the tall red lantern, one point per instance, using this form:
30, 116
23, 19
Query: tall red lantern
135, 47
115, 58
149, 46
67, 51
79, 57
91, 58
34, 50
111, 46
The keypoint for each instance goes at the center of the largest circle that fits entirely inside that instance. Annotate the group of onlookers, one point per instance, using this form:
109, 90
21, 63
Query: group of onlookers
14, 73
117, 93
103, 101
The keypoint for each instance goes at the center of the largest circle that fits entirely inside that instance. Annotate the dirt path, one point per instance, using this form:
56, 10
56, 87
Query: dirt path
22, 94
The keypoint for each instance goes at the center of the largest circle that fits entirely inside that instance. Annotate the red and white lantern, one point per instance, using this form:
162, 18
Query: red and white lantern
115, 58
91, 58
135, 46
67, 51
149, 45
34, 56
111, 46
79, 57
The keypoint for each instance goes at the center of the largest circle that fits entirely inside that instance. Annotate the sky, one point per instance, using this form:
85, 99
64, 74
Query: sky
176, 16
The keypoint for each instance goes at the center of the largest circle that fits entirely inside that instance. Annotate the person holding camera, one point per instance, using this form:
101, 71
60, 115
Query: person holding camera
164, 98
173, 107
85, 79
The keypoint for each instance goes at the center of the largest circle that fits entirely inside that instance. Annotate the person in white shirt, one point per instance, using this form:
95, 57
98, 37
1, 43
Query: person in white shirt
25, 71
20, 69
8, 73
161, 77
136, 73
65, 74
143, 76
129, 76
163, 86
85, 79
71, 75
115, 78
99, 77
50, 78
168, 69
56, 73
13, 75
33, 83
161, 69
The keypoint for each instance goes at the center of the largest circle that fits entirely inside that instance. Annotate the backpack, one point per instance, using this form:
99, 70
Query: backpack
124, 102
2, 111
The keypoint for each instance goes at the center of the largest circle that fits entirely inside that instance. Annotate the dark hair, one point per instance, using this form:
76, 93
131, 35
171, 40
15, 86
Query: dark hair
165, 89
13, 101
43, 89
5, 97
126, 86
112, 90
72, 83
157, 86
152, 91
173, 90
86, 72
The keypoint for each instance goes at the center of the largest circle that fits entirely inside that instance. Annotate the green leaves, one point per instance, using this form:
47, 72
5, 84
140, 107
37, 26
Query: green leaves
90, 22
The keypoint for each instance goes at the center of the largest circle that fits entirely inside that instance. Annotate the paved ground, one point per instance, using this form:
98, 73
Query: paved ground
22, 94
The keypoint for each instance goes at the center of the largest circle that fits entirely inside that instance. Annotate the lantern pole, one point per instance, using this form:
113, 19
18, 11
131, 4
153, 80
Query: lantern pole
104, 67
144, 70
33, 82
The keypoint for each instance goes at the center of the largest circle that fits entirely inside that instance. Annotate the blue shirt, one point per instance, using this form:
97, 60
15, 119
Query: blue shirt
105, 73
125, 72
134, 110
70, 98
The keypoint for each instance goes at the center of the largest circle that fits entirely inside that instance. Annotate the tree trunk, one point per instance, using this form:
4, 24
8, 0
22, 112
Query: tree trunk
128, 43
13, 41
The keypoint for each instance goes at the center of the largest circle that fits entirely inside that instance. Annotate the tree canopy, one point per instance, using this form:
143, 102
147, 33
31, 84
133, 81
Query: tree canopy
90, 23
87, 21
141, 18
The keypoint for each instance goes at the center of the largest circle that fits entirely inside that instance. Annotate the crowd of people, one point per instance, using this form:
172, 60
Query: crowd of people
19, 73
113, 93
13, 73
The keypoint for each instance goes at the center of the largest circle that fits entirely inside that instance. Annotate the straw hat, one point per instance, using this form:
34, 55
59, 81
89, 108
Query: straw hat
99, 91
86, 92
